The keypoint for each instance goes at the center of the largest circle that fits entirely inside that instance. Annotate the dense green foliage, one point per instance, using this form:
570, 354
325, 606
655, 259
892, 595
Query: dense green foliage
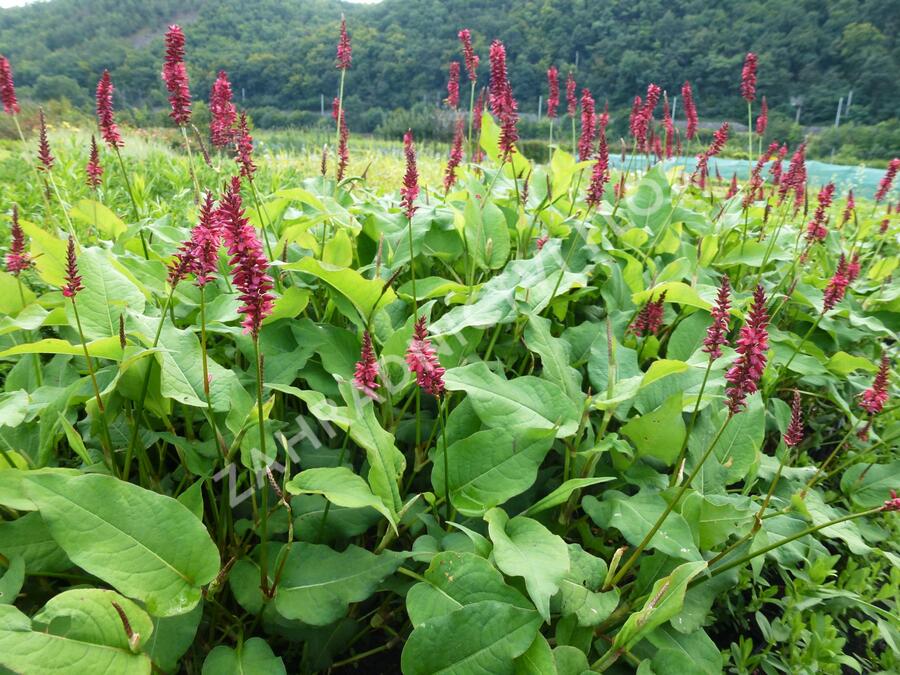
281, 54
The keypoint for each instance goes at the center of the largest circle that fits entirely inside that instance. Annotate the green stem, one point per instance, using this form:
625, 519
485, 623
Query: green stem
337, 135
669, 508
134, 206
471, 118
262, 226
565, 265
412, 271
264, 508
187, 147
683, 451
446, 460
812, 481
62, 205
797, 349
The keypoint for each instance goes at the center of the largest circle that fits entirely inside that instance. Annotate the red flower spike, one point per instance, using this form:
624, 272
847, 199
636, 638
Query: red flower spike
175, 76
366, 376
816, 230
249, 267
344, 50
469, 56
887, 181
795, 178
794, 434
45, 157
892, 504
73, 280
752, 346
94, 169
649, 319
588, 125
763, 120
106, 118
223, 114
733, 187
18, 260
599, 174
854, 267
848, 209
8, 88
456, 156
872, 400
499, 81
717, 333
748, 78
453, 86
199, 255
837, 286
410, 190
422, 360
669, 126
343, 152
720, 137
553, 93
243, 148
690, 110
571, 99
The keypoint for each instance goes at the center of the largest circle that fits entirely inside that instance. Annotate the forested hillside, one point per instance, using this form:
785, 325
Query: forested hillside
280, 53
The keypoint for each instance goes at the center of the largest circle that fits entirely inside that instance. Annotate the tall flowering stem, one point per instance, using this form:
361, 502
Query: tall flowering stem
588, 125
456, 155
223, 114
72, 287
175, 76
748, 93
45, 168
453, 86
408, 194
552, 97
471, 60
690, 110
342, 62
884, 187
752, 344
571, 105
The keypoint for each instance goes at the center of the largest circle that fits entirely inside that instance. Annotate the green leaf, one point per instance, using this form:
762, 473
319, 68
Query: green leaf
103, 348
486, 233
678, 653
579, 591
254, 657
634, 516
288, 305
318, 584
107, 295
75, 627
172, 636
12, 580
146, 545
454, 580
739, 444
525, 548
555, 358
48, 252
522, 402
341, 487
561, 494
664, 602
676, 291
842, 363
650, 204
10, 299
538, 659
659, 433
716, 517
490, 466
869, 486
484, 637
92, 212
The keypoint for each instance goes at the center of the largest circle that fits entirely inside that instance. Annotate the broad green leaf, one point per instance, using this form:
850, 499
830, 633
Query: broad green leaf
366, 295
561, 494
522, 402
29, 539
318, 584
579, 591
483, 637
290, 304
538, 659
635, 515
650, 205
676, 291
48, 252
678, 653
869, 486
254, 657
455, 580
738, 446
555, 358
172, 637
107, 295
490, 467
75, 627
525, 548
12, 579
486, 233
664, 602
842, 363
91, 212
659, 433
716, 518
148, 546
663, 368
10, 299
103, 348
341, 487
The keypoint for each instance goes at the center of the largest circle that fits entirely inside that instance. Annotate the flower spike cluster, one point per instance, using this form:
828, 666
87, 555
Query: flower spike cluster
752, 345
717, 333
410, 190
106, 119
690, 110
720, 137
553, 92
222, 111
422, 360
599, 174
175, 75
571, 99
45, 157
748, 78
794, 434
243, 148
94, 169
248, 263
501, 101
763, 120
837, 286
18, 260
456, 155
469, 55
816, 230
7, 88
343, 151
669, 126
873, 399
588, 125
795, 178
199, 255
344, 50
365, 378
848, 209
892, 504
73, 279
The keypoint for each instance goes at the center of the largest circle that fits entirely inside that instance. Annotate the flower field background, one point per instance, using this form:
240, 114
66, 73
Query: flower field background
442, 408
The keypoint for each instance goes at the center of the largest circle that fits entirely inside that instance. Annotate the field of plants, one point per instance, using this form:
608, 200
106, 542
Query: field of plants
364, 407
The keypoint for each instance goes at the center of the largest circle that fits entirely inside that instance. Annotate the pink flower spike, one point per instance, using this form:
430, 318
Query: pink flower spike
571, 99
588, 125
422, 360
748, 78
892, 504
73, 280
243, 148
366, 376
410, 190
45, 157
456, 155
717, 333
7, 88
752, 345
794, 434
837, 286
553, 91
106, 119
690, 110
344, 51
453, 86
175, 76
649, 319
763, 120
887, 181
469, 55
872, 400
599, 174
223, 114
94, 169
18, 260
